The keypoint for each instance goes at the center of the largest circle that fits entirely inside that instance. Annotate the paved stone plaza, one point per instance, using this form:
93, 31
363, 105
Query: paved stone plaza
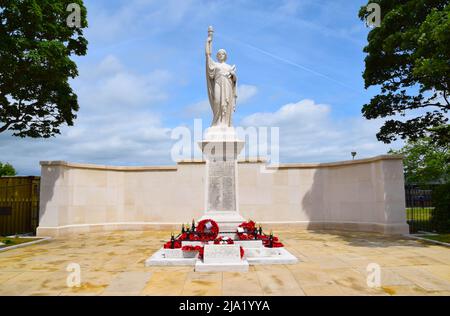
331, 263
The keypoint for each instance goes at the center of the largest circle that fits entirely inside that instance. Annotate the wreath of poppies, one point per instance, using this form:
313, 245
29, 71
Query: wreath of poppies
176, 244
207, 230
191, 236
223, 241
248, 226
275, 244
245, 236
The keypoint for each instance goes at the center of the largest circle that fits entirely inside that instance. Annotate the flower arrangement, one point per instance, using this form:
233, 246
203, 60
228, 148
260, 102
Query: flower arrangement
207, 230
275, 244
245, 236
223, 241
176, 244
249, 226
190, 236
248, 231
265, 238
272, 241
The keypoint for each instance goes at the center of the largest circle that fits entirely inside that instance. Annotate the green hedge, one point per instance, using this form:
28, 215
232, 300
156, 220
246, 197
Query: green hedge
441, 214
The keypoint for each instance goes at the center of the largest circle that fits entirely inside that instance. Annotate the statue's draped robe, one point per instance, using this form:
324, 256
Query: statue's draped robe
221, 91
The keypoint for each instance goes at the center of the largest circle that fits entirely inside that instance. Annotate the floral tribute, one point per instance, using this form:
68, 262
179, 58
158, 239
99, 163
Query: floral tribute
273, 244
189, 236
207, 229
176, 244
223, 241
248, 231
245, 236
249, 227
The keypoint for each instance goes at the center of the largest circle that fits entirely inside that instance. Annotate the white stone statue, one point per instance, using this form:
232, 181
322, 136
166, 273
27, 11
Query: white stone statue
221, 81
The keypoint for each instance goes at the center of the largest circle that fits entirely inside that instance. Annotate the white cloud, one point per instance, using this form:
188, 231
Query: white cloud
245, 93
197, 109
115, 124
131, 139
111, 85
308, 132
289, 115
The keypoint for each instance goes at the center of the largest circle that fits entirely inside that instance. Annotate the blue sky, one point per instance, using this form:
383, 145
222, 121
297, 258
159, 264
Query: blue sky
299, 66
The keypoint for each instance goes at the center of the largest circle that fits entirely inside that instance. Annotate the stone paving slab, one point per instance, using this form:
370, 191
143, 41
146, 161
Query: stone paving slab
242, 284
331, 263
127, 283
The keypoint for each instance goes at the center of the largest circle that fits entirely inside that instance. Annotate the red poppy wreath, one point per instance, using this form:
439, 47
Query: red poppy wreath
207, 229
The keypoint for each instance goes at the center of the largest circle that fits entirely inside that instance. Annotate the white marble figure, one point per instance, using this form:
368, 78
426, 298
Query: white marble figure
221, 82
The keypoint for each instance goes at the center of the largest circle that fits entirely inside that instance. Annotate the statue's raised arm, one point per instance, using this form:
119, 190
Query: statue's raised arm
210, 74
209, 41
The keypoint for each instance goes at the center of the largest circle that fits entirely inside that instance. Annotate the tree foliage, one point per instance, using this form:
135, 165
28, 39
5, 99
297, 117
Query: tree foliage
408, 57
7, 170
36, 43
441, 214
425, 162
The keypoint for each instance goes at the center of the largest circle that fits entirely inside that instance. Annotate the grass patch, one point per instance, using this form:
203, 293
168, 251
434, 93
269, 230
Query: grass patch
441, 237
419, 213
12, 241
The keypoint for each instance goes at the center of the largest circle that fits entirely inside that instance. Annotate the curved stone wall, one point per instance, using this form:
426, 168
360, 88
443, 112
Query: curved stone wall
362, 195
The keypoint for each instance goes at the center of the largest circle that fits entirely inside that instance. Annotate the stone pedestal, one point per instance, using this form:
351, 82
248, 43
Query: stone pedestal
221, 148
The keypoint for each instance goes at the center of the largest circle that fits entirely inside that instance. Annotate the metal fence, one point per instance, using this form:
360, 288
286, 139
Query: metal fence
420, 208
19, 205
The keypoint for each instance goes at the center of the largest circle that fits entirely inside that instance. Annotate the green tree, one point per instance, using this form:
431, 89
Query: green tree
36, 43
7, 170
425, 162
408, 57
441, 214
